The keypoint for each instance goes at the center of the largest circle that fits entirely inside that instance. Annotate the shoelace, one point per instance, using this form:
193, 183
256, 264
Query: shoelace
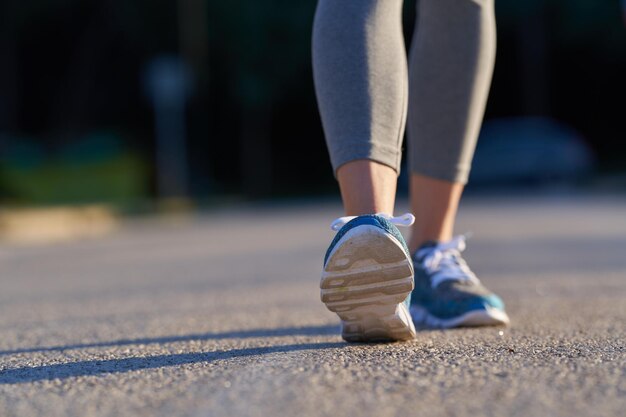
404, 220
444, 262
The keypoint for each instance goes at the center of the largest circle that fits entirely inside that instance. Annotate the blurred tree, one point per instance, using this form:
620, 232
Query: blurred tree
265, 48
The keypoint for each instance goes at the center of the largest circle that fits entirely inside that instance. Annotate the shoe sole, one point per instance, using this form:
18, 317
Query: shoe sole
365, 281
474, 318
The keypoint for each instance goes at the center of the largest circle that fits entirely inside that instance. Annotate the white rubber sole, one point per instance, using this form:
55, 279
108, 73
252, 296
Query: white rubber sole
365, 280
488, 317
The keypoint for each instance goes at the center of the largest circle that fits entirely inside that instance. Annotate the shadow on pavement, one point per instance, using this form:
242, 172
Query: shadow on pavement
99, 367
240, 334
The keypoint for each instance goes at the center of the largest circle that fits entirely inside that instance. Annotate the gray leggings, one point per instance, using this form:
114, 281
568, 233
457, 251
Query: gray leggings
363, 86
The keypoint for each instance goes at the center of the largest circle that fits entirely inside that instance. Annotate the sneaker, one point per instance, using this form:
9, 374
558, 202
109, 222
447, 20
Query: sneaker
368, 278
447, 293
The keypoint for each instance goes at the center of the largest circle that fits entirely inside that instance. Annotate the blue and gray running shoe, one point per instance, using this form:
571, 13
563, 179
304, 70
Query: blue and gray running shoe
368, 278
447, 293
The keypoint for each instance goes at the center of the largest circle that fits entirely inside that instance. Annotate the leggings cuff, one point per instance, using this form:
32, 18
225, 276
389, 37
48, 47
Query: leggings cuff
389, 156
459, 174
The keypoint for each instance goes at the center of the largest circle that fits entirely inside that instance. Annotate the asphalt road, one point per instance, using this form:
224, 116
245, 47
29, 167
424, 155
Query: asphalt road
219, 315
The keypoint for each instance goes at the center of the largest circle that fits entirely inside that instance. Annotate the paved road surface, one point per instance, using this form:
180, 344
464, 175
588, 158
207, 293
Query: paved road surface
219, 315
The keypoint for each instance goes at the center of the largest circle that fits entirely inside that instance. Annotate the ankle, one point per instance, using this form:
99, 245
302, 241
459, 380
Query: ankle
416, 242
367, 187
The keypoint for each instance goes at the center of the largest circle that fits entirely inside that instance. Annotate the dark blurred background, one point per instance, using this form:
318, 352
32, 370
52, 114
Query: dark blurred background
127, 101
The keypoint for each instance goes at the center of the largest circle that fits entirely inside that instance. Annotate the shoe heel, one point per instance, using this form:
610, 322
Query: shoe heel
365, 281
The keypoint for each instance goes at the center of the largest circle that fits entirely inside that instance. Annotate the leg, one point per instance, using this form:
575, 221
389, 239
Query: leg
360, 73
360, 70
434, 203
452, 60
451, 64
367, 187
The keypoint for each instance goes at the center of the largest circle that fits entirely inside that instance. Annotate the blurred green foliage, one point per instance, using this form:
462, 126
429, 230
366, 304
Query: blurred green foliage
94, 169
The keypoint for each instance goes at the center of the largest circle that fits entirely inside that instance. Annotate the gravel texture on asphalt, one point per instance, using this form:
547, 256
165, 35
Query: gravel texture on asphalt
219, 315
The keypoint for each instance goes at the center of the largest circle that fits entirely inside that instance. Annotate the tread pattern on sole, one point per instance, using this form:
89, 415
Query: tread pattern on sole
365, 281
